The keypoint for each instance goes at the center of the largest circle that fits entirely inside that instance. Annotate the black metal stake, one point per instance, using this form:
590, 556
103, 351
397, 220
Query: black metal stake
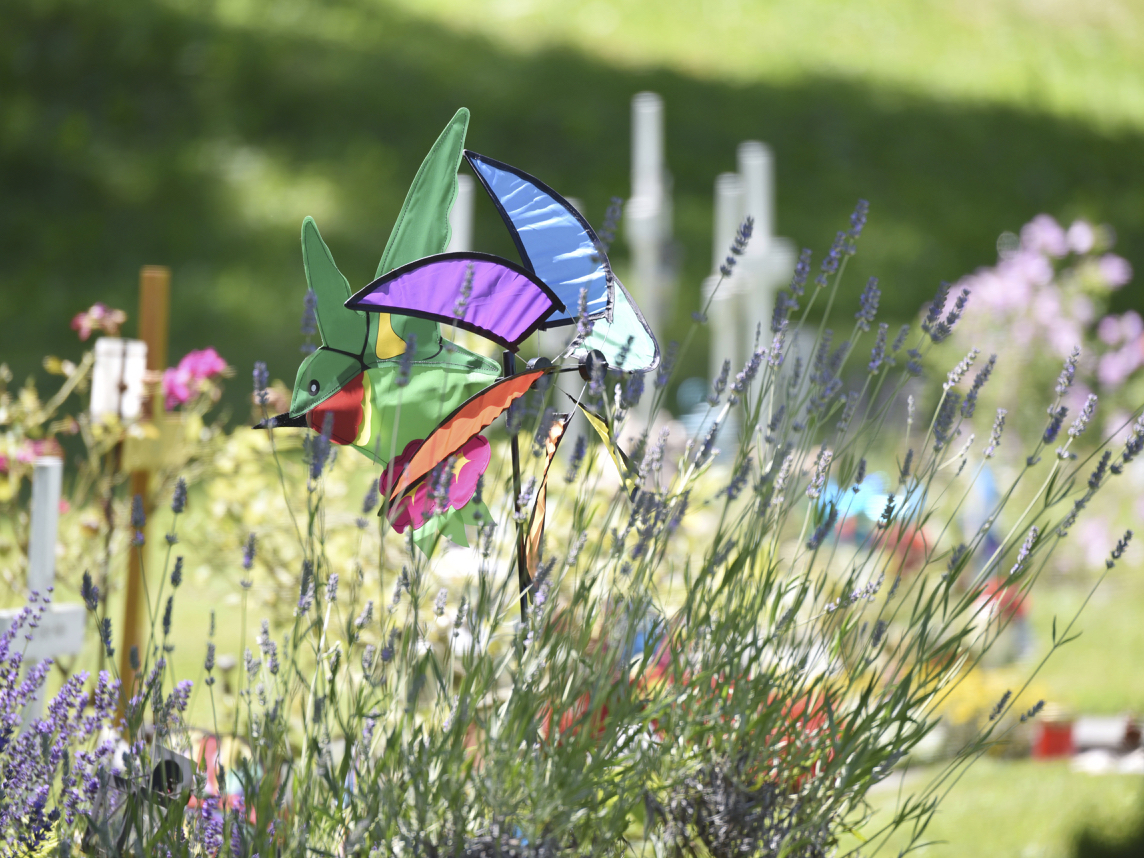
525, 580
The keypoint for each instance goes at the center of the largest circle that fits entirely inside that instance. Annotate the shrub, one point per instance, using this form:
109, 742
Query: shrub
722, 653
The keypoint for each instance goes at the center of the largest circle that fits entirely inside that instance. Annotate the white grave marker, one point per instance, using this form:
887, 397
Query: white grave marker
747, 297
117, 379
648, 211
60, 631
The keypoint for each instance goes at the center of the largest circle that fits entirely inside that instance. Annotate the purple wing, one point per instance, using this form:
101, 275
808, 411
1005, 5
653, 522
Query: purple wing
505, 302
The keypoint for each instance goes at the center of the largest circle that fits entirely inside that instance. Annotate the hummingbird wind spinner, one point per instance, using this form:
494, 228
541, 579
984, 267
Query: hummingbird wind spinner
389, 385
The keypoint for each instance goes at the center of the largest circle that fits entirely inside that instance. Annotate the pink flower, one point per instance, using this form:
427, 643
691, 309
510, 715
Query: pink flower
1044, 235
98, 317
203, 363
31, 450
1109, 330
183, 382
1115, 270
1081, 237
1115, 367
414, 507
1131, 325
176, 388
3, 464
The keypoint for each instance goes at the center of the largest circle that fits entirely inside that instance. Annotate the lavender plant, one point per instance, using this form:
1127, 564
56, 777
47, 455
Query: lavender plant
720, 655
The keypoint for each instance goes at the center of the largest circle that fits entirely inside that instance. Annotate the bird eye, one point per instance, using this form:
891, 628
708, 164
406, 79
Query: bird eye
314, 387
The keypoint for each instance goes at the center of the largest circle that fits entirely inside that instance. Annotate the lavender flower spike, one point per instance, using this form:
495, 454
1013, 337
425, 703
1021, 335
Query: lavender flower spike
818, 480
954, 376
1026, 550
179, 497
868, 304
995, 435
261, 379
878, 352
1082, 420
1068, 372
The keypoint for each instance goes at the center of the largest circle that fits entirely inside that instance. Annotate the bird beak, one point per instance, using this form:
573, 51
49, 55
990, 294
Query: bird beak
282, 420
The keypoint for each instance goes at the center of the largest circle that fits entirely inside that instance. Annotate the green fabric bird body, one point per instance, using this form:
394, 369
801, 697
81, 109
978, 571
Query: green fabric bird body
361, 383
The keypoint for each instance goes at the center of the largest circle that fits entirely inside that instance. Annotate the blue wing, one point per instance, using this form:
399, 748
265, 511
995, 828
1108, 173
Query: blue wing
554, 240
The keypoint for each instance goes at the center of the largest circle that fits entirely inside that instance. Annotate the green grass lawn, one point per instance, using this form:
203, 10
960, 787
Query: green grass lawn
199, 135
1015, 809
1100, 672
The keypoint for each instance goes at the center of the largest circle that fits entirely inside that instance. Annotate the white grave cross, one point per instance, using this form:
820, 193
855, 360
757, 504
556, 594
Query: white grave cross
747, 297
60, 631
648, 211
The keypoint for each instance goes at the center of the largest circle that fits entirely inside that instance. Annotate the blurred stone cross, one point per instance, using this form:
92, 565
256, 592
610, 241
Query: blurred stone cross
747, 297
60, 630
649, 211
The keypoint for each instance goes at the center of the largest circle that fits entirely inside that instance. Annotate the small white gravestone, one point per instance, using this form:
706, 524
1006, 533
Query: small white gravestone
648, 212
720, 293
768, 263
61, 629
746, 298
117, 379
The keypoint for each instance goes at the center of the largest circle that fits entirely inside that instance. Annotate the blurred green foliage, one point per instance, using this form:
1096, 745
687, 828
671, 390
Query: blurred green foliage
198, 134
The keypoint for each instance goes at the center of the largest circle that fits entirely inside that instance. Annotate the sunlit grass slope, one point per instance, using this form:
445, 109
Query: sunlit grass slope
198, 135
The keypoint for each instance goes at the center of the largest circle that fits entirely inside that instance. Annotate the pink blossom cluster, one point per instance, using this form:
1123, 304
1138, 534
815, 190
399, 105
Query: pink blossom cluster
98, 317
1044, 290
1125, 336
1049, 290
29, 451
186, 380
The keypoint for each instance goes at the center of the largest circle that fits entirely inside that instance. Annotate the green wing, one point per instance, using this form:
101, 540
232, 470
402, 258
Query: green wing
422, 229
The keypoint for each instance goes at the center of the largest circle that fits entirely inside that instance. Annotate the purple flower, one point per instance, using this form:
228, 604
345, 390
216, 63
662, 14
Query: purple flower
1119, 550
138, 519
857, 223
720, 384
969, 405
89, 592
179, 497
1068, 372
878, 352
868, 304
1085, 416
248, 553
832, 260
1056, 417
801, 273
319, 446
261, 379
824, 529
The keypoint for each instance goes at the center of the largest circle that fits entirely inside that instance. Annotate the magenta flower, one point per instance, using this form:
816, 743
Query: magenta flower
415, 506
183, 382
98, 317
